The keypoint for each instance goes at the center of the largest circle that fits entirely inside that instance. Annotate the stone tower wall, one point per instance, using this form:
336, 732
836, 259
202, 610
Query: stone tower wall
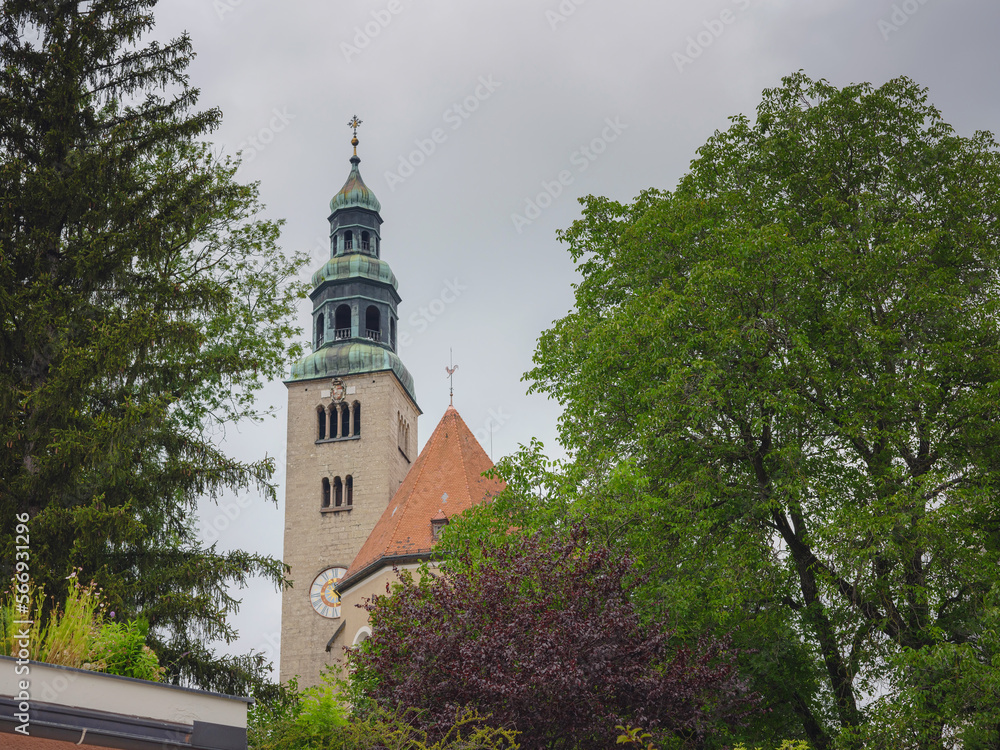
317, 539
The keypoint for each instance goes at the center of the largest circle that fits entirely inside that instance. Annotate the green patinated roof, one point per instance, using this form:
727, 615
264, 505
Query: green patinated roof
352, 358
355, 192
355, 265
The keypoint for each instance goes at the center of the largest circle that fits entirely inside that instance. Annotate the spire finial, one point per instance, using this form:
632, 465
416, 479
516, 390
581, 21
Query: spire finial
451, 378
354, 123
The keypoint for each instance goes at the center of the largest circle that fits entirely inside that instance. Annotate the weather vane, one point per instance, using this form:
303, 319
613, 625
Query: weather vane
451, 378
354, 123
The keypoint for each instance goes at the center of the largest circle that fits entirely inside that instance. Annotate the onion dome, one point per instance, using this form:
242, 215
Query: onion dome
355, 266
355, 193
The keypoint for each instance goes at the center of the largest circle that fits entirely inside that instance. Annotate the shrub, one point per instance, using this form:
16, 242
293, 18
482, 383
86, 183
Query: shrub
77, 635
544, 637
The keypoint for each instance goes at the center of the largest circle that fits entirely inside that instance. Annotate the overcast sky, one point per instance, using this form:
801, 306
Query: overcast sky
483, 122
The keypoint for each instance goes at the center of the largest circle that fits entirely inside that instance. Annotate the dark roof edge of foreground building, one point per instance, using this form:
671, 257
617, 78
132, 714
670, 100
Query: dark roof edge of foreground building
67, 707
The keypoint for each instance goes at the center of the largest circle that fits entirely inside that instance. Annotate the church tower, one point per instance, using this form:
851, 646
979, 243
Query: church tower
352, 426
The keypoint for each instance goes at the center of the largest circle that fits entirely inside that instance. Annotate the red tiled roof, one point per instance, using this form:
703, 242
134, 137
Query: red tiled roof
445, 480
20, 742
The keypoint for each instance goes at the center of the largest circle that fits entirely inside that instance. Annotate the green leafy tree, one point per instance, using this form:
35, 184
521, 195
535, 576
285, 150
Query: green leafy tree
798, 352
142, 304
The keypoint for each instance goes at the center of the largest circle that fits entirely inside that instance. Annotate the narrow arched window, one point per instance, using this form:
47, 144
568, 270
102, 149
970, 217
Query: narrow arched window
348, 240
345, 421
342, 322
392, 333
319, 330
357, 418
373, 323
321, 418
326, 493
364, 242
338, 492
350, 490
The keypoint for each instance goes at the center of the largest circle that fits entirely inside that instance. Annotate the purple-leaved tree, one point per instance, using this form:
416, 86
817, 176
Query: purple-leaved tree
543, 636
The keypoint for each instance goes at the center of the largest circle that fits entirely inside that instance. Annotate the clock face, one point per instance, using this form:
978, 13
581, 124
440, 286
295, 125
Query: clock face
324, 599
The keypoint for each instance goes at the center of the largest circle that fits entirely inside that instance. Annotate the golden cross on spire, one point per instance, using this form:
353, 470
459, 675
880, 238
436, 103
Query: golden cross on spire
354, 123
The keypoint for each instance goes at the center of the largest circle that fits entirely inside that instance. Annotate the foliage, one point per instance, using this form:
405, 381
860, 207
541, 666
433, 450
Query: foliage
798, 351
542, 634
318, 719
79, 634
635, 736
297, 719
62, 636
120, 648
947, 696
142, 304
545, 497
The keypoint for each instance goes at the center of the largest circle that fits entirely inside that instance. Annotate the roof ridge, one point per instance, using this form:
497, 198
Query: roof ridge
440, 475
394, 521
420, 471
461, 456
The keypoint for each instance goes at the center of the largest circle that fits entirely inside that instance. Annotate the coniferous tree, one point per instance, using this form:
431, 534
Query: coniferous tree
141, 306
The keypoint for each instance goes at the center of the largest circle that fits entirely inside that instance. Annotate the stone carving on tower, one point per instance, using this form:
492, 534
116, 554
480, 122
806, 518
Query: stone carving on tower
348, 404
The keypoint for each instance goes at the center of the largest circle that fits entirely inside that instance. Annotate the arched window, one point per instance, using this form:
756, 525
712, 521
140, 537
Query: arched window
350, 491
320, 330
373, 323
364, 242
377, 248
362, 635
321, 415
345, 421
403, 436
338, 492
326, 493
357, 418
392, 333
342, 322
348, 240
